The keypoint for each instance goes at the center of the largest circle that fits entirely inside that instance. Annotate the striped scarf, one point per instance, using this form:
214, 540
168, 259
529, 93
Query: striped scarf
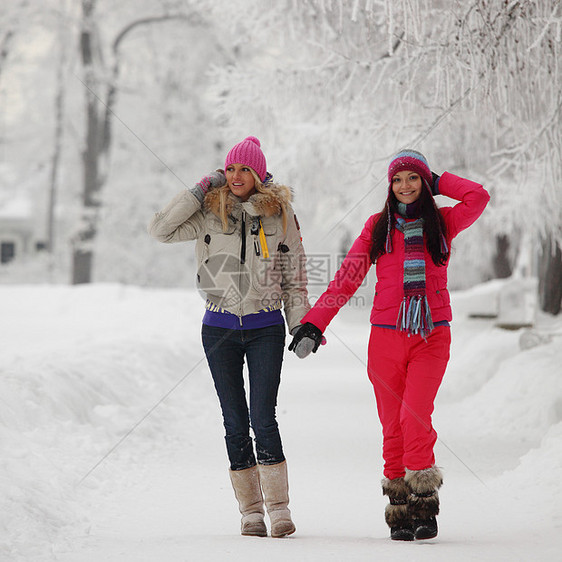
414, 316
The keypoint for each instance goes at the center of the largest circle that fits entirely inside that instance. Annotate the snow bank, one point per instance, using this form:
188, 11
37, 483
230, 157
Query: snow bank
500, 408
524, 398
502, 388
80, 367
535, 482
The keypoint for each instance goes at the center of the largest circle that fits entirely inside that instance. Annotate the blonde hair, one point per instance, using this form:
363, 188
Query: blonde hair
224, 191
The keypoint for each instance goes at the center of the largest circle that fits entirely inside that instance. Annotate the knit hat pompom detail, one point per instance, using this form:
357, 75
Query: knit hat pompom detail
410, 160
255, 140
248, 153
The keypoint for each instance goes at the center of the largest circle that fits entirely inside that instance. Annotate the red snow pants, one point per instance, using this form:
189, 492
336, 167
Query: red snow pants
406, 372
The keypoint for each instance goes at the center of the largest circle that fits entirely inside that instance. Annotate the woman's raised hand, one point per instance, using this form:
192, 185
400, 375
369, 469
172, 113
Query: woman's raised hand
214, 179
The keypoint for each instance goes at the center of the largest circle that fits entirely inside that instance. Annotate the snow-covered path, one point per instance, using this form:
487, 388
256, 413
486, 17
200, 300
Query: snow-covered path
164, 493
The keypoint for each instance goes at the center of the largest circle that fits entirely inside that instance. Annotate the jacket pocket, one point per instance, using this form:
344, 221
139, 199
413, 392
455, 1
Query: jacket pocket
387, 297
270, 225
442, 297
219, 241
214, 226
437, 293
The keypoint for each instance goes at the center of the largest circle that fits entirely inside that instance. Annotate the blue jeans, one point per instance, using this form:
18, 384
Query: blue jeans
263, 349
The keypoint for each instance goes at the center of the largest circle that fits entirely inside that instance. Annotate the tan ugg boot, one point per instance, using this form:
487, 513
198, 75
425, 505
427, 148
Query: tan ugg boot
247, 489
275, 485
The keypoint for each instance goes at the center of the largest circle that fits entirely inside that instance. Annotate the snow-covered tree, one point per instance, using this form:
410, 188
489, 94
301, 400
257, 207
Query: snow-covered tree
340, 86
165, 141
101, 87
331, 88
104, 116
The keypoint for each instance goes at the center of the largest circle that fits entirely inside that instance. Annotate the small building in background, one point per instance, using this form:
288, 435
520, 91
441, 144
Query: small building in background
17, 230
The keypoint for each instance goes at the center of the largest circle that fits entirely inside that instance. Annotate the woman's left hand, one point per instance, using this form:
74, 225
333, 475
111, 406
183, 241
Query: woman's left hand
435, 185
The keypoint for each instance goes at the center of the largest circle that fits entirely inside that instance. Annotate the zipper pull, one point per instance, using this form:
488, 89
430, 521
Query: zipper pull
263, 242
254, 231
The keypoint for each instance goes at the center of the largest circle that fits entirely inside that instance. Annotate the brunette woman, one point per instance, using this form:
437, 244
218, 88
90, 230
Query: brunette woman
409, 242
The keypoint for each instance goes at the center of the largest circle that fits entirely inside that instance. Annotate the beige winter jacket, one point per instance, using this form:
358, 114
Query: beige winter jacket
238, 281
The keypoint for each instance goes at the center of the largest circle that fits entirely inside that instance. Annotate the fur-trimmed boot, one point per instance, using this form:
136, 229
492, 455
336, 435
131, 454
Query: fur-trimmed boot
275, 485
396, 513
247, 489
423, 501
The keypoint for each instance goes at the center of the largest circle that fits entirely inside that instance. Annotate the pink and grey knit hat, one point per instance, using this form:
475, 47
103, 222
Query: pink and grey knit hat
248, 152
410, 160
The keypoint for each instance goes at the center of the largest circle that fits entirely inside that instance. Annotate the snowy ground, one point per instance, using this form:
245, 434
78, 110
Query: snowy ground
112, 444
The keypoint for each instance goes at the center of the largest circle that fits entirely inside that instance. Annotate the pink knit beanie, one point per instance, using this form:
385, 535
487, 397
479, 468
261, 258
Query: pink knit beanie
248, 152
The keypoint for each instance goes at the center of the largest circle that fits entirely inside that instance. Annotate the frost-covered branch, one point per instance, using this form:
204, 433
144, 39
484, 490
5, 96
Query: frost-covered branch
192, 19
5, 47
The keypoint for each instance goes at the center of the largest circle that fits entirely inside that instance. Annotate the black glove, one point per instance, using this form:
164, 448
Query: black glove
306, 339
434, 187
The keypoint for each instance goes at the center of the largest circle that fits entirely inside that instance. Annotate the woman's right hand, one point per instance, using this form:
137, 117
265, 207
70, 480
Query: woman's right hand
214, 179
306, 339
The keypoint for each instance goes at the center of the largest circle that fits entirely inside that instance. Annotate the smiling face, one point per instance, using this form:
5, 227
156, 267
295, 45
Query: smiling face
240, 180
407, 186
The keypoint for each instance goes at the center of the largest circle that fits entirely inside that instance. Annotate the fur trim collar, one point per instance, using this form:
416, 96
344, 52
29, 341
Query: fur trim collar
266, 204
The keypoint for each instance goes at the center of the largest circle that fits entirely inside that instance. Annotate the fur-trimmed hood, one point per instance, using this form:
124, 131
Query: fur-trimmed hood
267, 204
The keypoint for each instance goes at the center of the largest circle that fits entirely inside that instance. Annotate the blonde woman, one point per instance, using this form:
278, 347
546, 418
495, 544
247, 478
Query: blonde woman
250, 267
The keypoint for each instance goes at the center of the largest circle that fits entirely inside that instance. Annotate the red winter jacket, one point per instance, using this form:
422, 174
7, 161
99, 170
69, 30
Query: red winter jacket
389, 290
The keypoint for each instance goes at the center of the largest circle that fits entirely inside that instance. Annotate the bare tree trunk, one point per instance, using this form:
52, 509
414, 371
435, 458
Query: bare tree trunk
550, 277
502, 265
83, 250
98, 131
57, 141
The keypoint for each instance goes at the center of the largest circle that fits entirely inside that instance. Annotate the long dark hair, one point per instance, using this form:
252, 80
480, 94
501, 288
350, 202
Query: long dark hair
433, 227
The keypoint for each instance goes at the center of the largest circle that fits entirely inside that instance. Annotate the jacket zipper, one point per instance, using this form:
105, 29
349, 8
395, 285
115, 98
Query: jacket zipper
243, 248
242, 259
